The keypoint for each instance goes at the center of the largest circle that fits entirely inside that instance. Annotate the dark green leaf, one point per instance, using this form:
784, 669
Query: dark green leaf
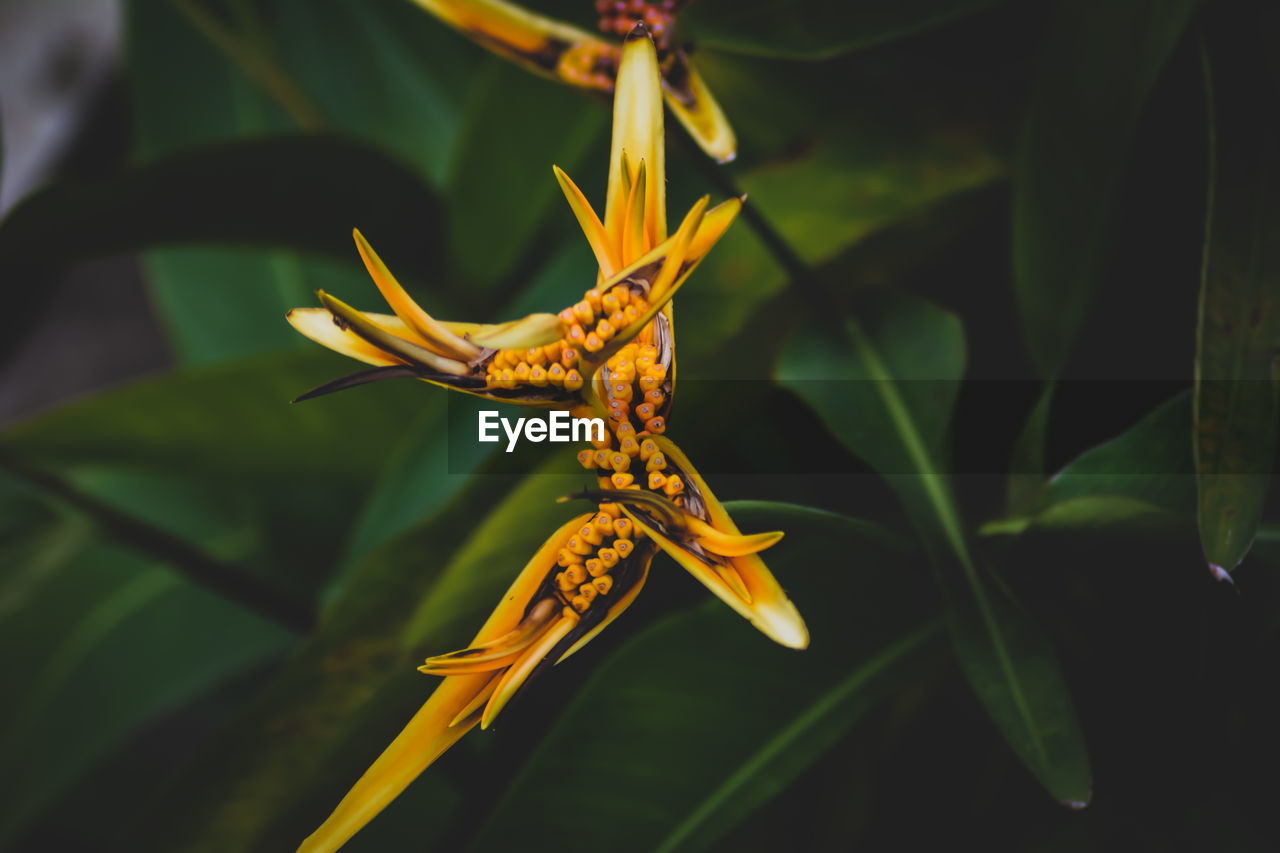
384, 72
812, 29
299, 471
279, 770
854, 182
1144, 475
303, 192
1237, 398
1099, 66
1026, 466
501, 187
90, 626
886, 393
724, 719
203, 297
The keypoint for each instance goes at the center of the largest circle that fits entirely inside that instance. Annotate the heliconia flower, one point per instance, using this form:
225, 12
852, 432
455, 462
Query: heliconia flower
574, 56
582, 578
613, 352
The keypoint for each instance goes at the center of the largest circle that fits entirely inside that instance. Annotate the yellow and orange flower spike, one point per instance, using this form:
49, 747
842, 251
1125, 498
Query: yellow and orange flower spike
574, 56
579, 581
611, 352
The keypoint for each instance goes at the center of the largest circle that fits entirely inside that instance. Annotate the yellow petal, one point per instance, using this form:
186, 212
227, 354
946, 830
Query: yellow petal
731, 544
637, 130
441, 721
318, 325
540, 44
474, 707
409, 351
500, 651
712, 228
426, 736
433, 334
633, 230
601, 245
691, 101
672, 266
768, 607
516, 674
535, 330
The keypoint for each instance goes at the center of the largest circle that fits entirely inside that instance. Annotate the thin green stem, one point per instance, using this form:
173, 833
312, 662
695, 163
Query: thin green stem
225, 579
250, 56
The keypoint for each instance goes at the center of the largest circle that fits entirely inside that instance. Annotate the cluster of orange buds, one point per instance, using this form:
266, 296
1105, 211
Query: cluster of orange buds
591, 553
619, 17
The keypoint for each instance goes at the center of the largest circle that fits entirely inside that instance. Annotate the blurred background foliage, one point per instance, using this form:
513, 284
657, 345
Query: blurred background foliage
995, 344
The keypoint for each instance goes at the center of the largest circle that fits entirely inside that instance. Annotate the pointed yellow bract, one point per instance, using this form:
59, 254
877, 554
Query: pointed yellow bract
638, 132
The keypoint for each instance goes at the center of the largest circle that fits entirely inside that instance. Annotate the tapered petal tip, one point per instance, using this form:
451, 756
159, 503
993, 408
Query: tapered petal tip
639, 31
780, 621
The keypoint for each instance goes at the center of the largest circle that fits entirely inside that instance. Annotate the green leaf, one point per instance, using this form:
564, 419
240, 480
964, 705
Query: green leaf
90, 626
299, 471
887, 393
1026, 465
857, 180
279, 770
725, 719
501, 187
384, 72
422, 474
1237, 398
1101, 62
1142, 476
812, 29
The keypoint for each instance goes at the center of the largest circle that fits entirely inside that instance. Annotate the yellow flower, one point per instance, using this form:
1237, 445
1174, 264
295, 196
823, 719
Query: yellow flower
531, 628
574, 56
614, 353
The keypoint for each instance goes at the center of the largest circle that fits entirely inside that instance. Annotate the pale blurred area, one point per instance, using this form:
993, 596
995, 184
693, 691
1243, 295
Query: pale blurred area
64, 110
55, 56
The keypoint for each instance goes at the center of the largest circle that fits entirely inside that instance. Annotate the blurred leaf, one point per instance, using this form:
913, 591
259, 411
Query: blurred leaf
501, 187
887, 394
1101, 62
855, 181
252, 192
812, 29
204, 298
723, 718
100, 629
422, 474
1237, 410
1144, 475
383, 72
1026, 464
886, 391
277, 771
300, 471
